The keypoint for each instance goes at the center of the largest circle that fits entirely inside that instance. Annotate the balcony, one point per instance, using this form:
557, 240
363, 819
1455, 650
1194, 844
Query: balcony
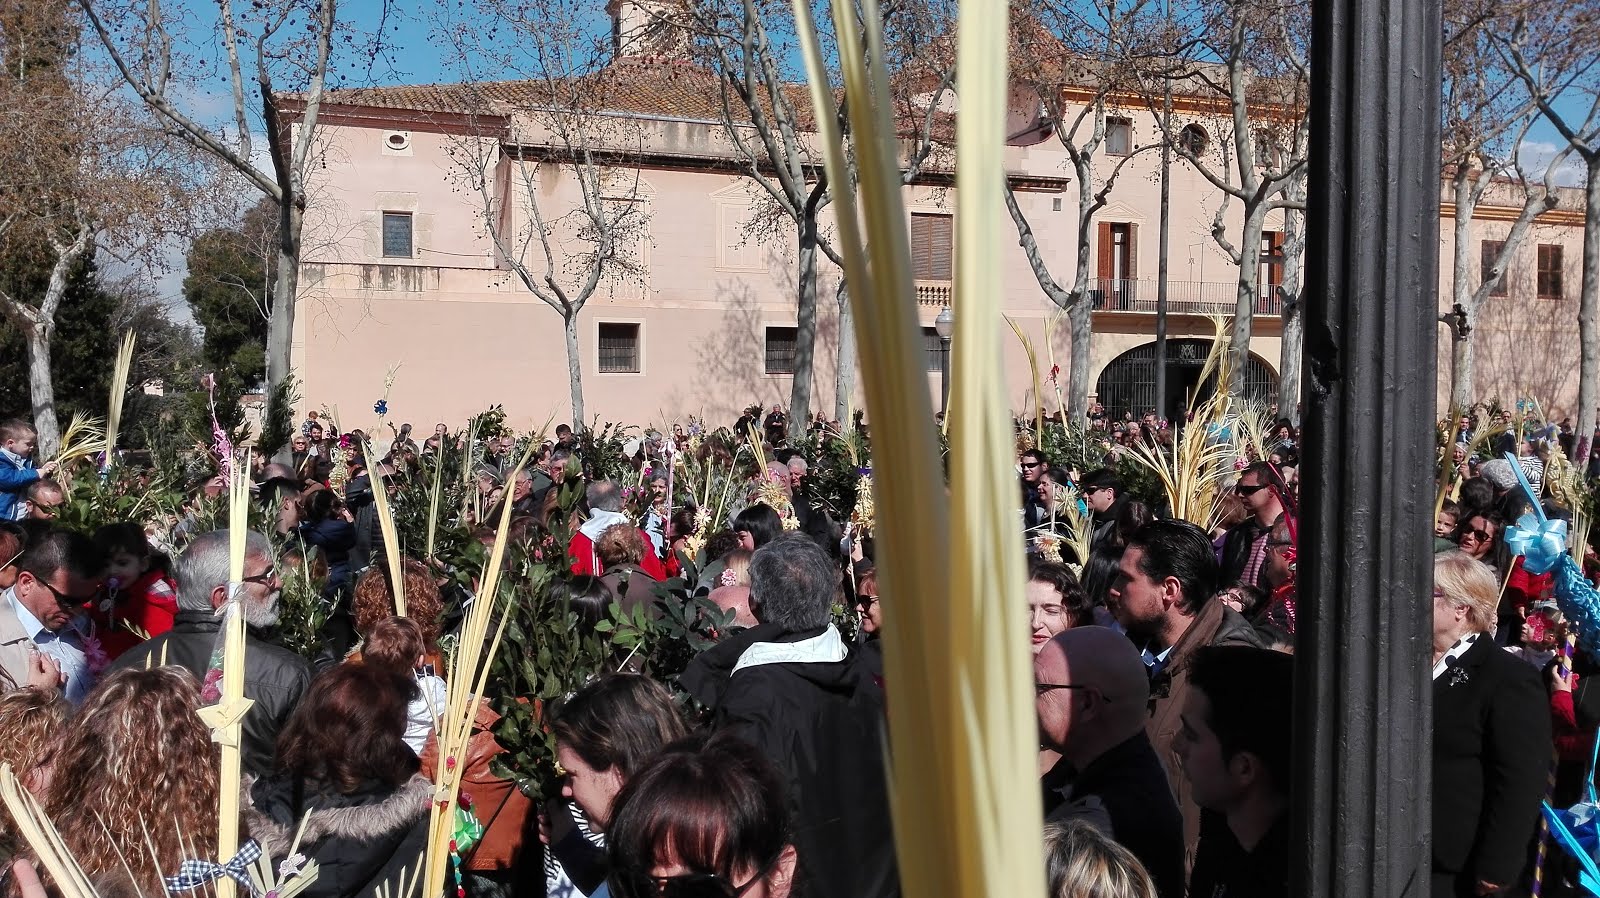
1183, 297
934, 293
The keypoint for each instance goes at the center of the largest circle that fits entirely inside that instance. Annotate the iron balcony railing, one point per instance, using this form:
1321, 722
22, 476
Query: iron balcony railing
1109, 295
1183, 297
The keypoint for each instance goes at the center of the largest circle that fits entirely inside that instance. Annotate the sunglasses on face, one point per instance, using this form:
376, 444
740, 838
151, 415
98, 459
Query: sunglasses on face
1247, 490
1032, 464
1475, 533
65, 601
632, 884
866, 601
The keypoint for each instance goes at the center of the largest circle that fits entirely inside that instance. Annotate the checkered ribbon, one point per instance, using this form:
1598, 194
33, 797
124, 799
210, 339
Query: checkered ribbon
194, 874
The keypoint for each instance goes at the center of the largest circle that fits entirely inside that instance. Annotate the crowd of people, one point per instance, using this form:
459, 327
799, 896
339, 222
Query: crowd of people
1162, 659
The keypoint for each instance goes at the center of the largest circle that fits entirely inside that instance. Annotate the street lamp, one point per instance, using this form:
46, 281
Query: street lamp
944, 326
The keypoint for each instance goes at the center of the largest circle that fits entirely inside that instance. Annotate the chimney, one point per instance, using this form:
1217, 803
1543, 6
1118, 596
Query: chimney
647, 29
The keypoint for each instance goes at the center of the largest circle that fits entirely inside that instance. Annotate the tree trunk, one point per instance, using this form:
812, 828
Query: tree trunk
1464, 277
1589, 314
805, 341
1292, 291
280, 320
844, 378
1080, 315
575, 370
41, 390
1245, 303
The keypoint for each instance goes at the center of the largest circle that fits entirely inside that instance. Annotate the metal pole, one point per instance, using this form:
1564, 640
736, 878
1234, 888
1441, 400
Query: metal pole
944, 375
1363, 697
1161, 260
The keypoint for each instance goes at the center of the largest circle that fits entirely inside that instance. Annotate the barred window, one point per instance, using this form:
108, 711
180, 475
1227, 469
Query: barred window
781, 343
619, 348
397, 235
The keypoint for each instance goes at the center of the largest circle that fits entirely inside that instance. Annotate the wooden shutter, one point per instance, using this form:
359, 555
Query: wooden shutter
932, 247
1106, 268
1275, 270
1132, 273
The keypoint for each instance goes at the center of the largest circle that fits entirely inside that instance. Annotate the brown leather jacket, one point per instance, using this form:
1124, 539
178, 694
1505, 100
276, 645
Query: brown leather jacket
506, 814
1216, 624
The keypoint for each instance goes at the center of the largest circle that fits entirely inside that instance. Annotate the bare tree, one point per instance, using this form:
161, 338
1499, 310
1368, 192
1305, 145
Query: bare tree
1554, 48
1260, 79
557, 185
79, 173
766, 118
278, 59
1057, 48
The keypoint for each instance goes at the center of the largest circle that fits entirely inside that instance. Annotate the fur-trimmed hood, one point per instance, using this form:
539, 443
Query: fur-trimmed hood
269, 812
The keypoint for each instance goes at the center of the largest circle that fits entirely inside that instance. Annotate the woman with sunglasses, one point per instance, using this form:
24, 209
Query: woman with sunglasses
708, 819
1477, 536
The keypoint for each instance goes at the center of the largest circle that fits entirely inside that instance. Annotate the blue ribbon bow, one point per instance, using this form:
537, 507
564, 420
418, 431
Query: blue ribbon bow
194, 874
1541, 543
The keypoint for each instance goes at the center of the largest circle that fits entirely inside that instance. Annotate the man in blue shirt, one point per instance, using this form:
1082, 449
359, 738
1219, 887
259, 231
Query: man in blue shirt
58, 573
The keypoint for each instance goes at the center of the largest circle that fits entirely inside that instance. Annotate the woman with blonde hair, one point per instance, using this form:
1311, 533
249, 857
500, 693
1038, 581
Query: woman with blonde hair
1082, 862
1491, 737
133, 779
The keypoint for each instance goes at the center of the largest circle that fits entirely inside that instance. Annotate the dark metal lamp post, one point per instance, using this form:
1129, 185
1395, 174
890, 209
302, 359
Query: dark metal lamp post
944, 325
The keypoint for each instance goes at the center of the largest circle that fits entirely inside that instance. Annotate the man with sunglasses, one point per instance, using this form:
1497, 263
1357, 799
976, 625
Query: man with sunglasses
1033, 465
39, 614
1091, 700
274, 677
1244, 549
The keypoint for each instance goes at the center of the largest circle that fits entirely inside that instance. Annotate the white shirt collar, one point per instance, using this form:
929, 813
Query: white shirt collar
1446, 661
826, 647
36, 631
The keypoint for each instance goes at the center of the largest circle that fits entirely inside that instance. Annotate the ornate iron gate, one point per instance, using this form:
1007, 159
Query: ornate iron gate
1128, 384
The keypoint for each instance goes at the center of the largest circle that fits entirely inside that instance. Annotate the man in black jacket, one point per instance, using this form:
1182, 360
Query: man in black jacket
791, 687
1092, 695
274, 677
1244, 549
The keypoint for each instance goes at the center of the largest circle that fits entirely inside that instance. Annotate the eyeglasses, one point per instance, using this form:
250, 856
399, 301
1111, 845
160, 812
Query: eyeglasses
690, 885
62, 599
1033, 464
866, 601
1244, 490
264, 578
1481, 535
1042, 688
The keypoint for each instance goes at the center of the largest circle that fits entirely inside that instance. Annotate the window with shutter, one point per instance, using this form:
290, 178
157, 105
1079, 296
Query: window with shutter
619, 348
932, 247
1119, 136
1550, 271
935, 347
781, 349
1490, 251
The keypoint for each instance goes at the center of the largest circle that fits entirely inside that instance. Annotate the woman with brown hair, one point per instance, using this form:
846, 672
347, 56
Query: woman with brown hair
605, 733
133, 779
344, 767
396, 644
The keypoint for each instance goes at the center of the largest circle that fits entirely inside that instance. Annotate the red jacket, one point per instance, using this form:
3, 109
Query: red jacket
584, 560
144, 609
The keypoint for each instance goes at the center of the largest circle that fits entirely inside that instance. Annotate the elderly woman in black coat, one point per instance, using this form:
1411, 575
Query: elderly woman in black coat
1491, 738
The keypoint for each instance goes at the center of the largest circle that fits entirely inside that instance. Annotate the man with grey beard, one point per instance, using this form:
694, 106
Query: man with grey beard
274, 677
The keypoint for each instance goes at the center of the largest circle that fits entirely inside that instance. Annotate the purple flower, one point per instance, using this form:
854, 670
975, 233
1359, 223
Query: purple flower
381, 406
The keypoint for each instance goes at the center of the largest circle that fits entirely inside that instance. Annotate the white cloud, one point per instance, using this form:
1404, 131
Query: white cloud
1536, 156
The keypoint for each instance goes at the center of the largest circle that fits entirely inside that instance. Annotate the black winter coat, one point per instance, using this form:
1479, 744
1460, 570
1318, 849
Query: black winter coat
359, 841
274, 678
1127, 788
1236, 546
1491, 757
822, 724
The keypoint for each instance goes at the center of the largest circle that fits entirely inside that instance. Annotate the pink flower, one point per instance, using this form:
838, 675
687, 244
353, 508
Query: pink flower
211, 689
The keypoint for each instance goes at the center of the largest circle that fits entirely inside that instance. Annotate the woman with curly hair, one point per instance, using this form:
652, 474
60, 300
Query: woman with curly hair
30, 718
133, 778
374, 602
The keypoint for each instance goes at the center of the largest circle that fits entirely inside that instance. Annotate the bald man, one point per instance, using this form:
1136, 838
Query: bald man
737, 600
1092, 698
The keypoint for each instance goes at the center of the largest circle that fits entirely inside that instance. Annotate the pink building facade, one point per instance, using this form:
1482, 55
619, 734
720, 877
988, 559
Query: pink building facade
402, 282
